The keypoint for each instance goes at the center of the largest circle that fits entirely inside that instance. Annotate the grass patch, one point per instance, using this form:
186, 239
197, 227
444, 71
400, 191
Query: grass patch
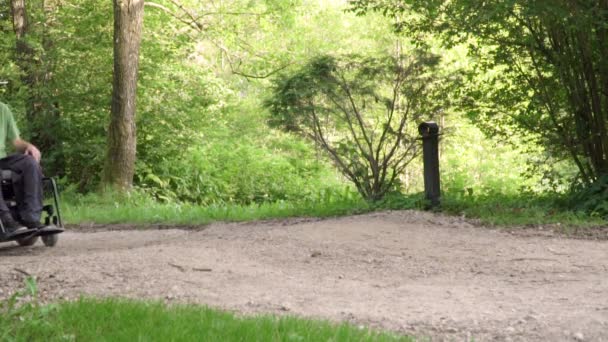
503, 210
138, 208
517, 210
494, 209
89, 319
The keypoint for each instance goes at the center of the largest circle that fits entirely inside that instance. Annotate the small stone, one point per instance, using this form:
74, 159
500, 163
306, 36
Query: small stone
510, 330
579, 336
315, 254
340, 276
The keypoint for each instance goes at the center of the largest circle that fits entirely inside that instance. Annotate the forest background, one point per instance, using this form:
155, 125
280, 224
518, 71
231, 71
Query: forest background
206, 145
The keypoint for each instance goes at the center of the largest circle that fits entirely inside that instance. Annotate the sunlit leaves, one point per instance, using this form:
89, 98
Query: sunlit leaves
362, 111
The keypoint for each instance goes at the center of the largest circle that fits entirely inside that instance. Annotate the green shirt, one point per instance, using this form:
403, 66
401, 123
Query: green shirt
8, 129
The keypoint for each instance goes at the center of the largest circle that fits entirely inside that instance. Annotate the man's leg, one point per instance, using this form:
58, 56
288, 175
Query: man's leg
28, 190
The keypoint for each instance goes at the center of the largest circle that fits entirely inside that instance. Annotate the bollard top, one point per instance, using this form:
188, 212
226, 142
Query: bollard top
429, 128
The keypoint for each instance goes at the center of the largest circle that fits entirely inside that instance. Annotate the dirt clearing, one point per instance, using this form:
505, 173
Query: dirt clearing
410, 272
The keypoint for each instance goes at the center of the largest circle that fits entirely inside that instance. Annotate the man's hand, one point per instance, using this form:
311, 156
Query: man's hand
32, 151
27, 148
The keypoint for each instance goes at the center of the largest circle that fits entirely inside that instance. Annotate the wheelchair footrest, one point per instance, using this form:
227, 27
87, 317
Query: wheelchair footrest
21, 234
49, 230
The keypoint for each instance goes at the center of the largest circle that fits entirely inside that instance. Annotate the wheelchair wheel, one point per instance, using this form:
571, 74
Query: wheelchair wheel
50, 240
28, 241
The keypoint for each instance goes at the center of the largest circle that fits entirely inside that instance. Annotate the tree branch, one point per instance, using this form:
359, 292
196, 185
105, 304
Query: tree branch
268, 74
334, 154
192, 23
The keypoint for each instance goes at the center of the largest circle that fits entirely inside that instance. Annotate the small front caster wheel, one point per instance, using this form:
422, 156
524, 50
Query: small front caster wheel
50, 240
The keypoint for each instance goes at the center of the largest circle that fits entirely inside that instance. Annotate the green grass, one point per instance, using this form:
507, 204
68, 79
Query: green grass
112, 319
141, 209
519, 210
504, 210
493, 209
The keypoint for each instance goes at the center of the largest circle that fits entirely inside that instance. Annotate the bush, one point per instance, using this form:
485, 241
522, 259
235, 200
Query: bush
592, 199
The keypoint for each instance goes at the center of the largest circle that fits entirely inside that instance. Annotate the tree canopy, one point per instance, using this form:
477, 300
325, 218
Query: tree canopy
550, 63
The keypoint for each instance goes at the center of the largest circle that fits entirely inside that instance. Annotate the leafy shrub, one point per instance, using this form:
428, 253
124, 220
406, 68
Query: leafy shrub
592, 199
237, 171
361, 111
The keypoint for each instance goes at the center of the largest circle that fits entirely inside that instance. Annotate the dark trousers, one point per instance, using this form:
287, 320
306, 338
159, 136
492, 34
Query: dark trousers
28, 186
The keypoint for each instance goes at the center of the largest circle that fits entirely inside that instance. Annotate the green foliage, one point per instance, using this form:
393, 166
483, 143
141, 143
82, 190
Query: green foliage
539, 67
469, 163
523, 209
592, 199
203, 137
237, 160
362, 111
199, 139
81, 85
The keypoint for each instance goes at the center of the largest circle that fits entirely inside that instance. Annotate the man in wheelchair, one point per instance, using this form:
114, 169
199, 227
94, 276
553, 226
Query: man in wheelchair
21, 171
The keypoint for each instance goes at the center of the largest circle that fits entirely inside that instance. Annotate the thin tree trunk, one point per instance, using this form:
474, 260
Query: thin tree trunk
25, 56
122, 142
24, 53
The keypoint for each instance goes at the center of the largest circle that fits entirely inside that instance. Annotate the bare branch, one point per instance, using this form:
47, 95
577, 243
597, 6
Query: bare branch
396, 88
357, 113
191, 23
400, 133
255, 14
334, 154
350, 126
193, 18
266, 75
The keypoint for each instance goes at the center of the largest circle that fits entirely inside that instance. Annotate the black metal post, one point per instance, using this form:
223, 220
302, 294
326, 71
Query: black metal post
430, 150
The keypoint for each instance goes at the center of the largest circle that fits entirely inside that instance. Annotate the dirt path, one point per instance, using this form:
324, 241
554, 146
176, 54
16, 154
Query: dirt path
412, 272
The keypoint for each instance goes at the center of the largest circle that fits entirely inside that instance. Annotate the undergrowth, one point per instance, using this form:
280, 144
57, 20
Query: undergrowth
493, 208
138, 207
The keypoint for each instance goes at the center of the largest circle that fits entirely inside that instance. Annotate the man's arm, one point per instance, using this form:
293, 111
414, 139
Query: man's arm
27, 148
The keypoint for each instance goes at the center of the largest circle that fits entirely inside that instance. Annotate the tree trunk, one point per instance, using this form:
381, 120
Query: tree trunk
26, 58
24, 53
19, 19
122, 142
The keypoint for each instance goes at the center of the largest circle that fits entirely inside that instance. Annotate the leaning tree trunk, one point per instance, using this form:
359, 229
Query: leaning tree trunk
122, 142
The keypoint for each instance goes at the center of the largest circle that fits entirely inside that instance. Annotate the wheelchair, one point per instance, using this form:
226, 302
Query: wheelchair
51, 215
